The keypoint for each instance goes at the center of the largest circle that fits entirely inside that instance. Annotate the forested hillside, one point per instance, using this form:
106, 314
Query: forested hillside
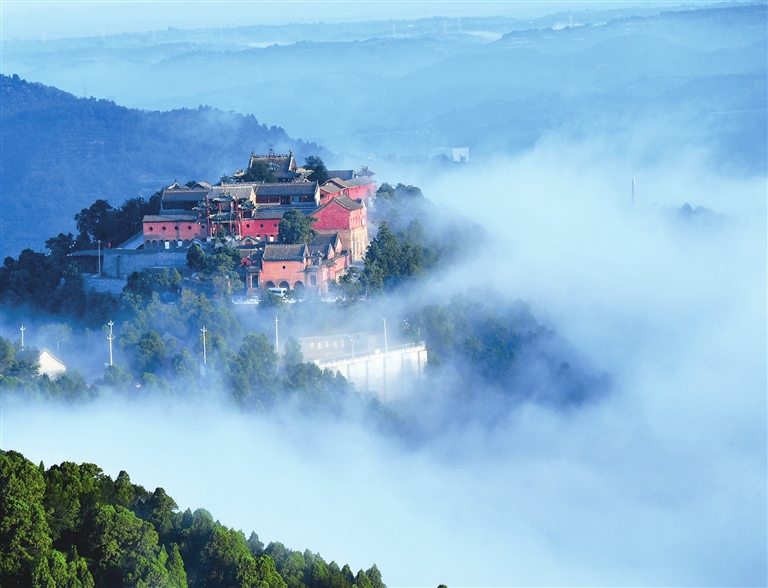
60, 153
483, 351
73, 525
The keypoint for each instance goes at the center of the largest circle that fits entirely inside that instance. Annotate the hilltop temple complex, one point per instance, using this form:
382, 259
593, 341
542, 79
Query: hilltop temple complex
248, 213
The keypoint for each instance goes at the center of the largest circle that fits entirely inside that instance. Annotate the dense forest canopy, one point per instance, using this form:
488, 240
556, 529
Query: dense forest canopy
74, 526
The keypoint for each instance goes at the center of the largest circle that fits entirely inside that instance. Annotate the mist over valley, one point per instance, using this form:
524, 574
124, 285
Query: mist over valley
401, 88
588, 280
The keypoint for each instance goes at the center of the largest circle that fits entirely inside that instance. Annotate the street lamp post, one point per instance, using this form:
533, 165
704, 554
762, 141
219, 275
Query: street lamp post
277, 338
99, 256
22, 329
205, 354
385, 335
110, 338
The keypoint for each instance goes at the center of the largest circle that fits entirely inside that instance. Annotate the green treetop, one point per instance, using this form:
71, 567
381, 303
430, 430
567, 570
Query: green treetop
260, 171
319, 171
296, 228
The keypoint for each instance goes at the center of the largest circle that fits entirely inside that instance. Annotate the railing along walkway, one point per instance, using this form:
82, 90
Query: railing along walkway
369, 354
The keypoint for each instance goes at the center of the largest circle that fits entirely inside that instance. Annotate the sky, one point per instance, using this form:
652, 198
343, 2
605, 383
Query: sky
29, 19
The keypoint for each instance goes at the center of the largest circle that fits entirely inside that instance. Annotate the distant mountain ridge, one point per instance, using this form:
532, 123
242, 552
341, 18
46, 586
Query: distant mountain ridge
400, 89
680, 79
59, 153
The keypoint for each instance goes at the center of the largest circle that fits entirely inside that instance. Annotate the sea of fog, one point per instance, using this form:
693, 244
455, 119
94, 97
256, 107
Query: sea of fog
661, 482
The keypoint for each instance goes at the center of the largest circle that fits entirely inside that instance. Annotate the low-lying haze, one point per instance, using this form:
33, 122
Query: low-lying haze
411, 87
51, 19
661, 482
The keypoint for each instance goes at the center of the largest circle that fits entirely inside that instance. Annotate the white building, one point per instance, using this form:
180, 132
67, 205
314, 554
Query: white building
50, 365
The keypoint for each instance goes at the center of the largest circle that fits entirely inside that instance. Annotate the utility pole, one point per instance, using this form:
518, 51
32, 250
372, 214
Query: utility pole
22, 329
205, 353
385, 335
99, 256
277, 339
110, 338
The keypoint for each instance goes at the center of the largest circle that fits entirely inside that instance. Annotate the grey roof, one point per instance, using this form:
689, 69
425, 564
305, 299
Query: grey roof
185, 196
323, 242
283, 166
195, 186
286, 189
177, 212
170, 218
269, 213
325, 239
339, 182
237, 190
346, 202
275, 252
342, 174
329, 188
361, 181
177, 191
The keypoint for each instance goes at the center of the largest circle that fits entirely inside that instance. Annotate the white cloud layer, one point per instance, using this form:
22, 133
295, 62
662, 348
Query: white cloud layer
661, 483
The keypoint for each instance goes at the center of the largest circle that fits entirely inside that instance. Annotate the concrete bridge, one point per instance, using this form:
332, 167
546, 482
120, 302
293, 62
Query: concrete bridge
389, 373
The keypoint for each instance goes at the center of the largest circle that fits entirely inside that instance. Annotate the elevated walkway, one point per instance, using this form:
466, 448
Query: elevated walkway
389, 373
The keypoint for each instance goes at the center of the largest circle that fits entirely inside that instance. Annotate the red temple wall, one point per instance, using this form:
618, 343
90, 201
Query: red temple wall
174, 230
